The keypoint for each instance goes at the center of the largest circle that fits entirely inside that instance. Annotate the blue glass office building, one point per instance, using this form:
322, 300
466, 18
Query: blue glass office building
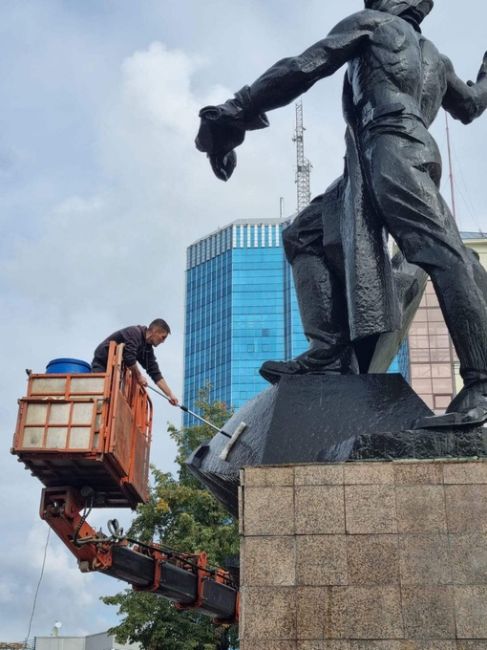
400, 363
241, 310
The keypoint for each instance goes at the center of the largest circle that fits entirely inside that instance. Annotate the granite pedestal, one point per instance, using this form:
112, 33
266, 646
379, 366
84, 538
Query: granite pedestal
364, 556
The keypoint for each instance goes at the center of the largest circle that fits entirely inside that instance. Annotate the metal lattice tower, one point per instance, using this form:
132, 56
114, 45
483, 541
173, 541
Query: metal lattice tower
303, 165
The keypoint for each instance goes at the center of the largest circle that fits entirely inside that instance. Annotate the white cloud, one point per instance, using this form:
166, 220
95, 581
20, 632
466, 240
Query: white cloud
157, 86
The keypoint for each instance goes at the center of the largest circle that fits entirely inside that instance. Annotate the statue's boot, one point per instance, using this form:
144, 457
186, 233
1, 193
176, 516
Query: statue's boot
315, 360
471, 399
323, 312
468, 408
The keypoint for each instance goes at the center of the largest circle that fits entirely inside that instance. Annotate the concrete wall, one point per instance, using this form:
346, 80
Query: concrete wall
59, 643
365, 556
104, 642
100, 641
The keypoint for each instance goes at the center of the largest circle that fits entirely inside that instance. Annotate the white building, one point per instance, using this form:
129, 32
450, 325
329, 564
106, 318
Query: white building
102, 641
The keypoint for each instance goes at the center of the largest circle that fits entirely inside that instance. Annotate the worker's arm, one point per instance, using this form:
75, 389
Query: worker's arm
152, 367
162, 384
223, 127
133, 338
465, 101
139, 377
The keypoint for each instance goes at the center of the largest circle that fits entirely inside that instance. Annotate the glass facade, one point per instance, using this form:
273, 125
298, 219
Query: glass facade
431, 354
241, 310
429, 362
400, 363
208, 328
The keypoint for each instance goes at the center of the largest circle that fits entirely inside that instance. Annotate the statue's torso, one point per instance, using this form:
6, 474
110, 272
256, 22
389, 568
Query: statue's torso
398, 65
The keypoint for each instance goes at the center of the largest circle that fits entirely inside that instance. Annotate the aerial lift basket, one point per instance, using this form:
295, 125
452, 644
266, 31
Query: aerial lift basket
90, 430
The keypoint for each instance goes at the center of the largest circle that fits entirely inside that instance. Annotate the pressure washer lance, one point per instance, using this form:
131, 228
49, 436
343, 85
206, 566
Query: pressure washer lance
233, 437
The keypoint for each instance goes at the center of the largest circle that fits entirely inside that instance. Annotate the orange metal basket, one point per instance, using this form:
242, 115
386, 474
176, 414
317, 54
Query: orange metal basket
88, 430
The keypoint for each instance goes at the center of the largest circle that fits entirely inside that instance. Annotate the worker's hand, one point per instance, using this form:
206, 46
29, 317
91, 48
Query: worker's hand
173, 399
142, 380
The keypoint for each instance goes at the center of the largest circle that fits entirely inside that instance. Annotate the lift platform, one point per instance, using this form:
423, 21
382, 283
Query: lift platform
87, 437
88, 430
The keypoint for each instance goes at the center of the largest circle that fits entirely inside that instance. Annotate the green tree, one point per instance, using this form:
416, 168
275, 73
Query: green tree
181, 514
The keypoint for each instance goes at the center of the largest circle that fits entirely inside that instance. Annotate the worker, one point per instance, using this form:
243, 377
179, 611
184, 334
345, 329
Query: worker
139, 342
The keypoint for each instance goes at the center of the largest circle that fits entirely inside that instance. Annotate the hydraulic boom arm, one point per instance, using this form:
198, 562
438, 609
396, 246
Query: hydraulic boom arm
183, 578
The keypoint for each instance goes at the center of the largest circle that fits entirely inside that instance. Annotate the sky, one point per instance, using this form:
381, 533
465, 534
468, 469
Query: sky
102, 190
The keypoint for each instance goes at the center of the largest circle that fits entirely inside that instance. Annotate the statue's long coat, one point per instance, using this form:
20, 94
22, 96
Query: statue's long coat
373, 306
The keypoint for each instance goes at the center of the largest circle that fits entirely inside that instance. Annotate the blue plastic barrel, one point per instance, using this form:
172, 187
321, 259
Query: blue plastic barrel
67, 366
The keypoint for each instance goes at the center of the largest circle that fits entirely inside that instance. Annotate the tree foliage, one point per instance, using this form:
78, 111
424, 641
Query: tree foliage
181, 514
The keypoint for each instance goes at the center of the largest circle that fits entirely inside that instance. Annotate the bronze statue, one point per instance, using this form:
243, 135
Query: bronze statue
395, 84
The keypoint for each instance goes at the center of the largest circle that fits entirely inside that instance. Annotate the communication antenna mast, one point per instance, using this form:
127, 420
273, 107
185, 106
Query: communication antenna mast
303, 165
281, 207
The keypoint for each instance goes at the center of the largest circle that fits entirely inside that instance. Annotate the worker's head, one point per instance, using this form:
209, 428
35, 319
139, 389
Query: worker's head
157, 332
416, 10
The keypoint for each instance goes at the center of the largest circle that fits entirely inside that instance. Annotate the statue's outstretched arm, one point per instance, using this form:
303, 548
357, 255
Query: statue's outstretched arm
465, 101
223, 127
288, 78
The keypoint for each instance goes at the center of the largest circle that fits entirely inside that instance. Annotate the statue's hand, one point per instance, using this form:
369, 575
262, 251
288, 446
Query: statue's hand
223, 128
482, 74
483, 69
223, 164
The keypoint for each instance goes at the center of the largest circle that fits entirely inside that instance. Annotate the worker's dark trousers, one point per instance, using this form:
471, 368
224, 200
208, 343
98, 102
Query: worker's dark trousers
402, 169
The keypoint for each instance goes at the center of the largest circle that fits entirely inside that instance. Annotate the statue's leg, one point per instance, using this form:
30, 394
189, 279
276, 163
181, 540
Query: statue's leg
419, 220
462, 294
321, 301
